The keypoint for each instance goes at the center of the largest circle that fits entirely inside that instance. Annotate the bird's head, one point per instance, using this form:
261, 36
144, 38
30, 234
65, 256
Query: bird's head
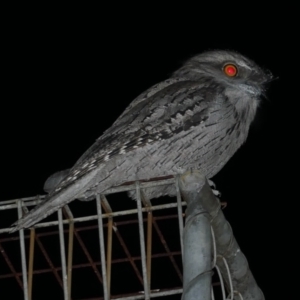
228, 68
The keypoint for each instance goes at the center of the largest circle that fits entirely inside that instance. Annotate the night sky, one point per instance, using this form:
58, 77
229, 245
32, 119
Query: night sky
64, 82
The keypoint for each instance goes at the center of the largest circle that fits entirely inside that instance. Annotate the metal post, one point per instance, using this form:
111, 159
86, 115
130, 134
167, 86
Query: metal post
231, 262
109, 251
197, 241
150, 220
30, 264
69, 215
149, 247
23, 256
102, 249
110, 227
62, 254
31, 257
142, 241
179, 208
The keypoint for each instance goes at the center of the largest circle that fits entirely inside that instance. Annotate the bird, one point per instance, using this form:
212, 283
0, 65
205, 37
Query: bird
195, 119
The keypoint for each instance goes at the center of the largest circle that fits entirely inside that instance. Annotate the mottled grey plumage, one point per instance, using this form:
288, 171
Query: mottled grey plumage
197, 119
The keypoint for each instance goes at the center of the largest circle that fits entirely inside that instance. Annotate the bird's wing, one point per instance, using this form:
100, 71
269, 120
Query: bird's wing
165, 105
172, 109
53, 180
128, 117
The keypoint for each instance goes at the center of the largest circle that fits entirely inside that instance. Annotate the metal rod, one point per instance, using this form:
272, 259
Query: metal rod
142, 241
150, 220
149, 247
212, 294
109, 252
153, 295
108, 210
229, 279
70, 257
13, 201
28, 201
95, 217
62, 254
23, 255
102, 250
70, 248
84, 228
180, 217
221, 282
31, 257
30, 262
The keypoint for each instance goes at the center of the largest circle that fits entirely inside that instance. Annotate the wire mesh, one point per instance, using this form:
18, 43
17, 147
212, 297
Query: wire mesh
116, 249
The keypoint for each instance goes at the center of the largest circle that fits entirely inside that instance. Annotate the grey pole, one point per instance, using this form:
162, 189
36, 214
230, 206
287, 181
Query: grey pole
23, 253
102, 249
142, 241
231, 262
62, 254
180, 217
197, 241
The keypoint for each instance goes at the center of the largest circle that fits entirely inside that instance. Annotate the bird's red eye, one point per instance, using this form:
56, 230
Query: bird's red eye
230, 70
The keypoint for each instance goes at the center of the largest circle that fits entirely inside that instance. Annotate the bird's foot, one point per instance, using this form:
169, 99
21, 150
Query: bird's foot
223, 204
216, 193
214, 188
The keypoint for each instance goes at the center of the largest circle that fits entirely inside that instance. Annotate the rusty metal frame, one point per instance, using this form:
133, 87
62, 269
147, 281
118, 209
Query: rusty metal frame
63, 273
112, 225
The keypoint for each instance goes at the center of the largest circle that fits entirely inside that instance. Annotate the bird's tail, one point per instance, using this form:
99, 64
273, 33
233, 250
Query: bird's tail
55, 202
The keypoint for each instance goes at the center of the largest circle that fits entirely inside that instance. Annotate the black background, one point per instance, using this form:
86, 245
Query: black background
67, 76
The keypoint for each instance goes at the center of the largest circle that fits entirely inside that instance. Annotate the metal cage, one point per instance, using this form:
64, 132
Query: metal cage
108, 248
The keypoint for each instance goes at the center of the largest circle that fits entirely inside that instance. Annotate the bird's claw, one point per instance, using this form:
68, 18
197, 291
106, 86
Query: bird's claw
214, 188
